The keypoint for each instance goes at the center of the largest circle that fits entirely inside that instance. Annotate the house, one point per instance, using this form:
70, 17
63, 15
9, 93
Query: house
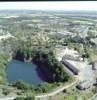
83, 85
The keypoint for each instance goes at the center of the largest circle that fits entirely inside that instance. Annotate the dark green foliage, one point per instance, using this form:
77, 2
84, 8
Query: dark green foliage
25, 98
29, 98
21, 85
46, 87
59, 73
53, 67
19, 98
6, 91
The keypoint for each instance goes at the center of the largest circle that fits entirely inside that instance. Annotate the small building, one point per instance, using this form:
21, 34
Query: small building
94, 65
84, 85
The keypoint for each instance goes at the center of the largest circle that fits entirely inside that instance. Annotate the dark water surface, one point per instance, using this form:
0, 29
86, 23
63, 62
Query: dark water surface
17, 70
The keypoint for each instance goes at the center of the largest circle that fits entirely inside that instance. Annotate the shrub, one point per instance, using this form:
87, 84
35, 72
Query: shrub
6, 91
21, 85
29, 98
19, 98
25, 98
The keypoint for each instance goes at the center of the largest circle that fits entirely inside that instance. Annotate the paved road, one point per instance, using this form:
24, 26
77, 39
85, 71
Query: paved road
55, 92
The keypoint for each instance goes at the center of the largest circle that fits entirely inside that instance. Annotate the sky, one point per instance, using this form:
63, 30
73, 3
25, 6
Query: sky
55, 5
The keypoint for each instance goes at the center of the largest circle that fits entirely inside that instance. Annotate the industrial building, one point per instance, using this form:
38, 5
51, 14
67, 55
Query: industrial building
70, 67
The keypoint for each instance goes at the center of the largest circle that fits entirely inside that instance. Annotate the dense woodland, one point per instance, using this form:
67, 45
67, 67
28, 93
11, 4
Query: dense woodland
40, 49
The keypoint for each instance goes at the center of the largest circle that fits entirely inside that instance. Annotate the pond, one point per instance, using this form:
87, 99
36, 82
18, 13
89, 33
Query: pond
26, 71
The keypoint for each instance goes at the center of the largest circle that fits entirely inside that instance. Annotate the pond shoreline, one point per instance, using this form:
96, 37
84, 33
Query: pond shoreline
44, 70
27, 71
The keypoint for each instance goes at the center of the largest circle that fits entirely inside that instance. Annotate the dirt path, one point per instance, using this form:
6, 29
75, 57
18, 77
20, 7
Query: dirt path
55, 92
8, 98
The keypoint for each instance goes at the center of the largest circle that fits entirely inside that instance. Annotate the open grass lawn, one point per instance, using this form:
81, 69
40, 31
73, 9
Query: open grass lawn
59, 96
74, 94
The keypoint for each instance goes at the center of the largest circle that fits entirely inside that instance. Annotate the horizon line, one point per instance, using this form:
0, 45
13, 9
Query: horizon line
47, 10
